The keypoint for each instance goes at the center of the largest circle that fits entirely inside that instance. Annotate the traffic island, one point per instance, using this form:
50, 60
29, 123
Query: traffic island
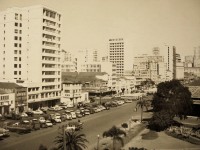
131, 132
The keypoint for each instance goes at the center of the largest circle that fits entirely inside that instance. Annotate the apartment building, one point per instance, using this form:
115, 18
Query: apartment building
67, 62
116, 54
30, 51
149, 67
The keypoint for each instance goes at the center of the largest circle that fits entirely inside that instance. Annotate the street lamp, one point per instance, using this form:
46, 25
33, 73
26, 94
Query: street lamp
98, 141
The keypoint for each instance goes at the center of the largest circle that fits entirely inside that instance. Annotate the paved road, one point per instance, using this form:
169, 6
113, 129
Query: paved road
94, 124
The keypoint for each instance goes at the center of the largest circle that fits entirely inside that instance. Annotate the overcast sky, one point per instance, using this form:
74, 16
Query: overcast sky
144, 24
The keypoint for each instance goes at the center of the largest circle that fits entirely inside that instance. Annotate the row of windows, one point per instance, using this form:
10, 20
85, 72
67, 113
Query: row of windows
18, 31
16, 38
15, 73
17, 59
18, 24
17, 65
17, 45
18, 16
4, 97
17, 52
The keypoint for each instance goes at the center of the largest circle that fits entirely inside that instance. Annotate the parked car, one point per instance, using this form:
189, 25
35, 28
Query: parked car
42, 120
35, 124
87, 112
4, 133
37, 112
58, 108
57, 115
70, 105
23, 114
49, 123
78, 114
29, 113
57, 119
128, 101
73, 114
63, 106
69, 116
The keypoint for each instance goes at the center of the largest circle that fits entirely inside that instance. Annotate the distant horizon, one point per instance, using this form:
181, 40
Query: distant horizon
89, 24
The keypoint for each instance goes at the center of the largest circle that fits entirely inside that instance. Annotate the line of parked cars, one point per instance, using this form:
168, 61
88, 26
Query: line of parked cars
47, 117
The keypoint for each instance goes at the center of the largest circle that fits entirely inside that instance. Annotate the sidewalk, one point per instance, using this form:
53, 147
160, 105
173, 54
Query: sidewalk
163, 141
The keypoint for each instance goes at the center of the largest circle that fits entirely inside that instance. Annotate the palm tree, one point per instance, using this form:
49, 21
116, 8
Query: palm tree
115, 133
74, 140
141, 104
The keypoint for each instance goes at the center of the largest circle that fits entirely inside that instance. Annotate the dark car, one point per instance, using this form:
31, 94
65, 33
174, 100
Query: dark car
29, 113
35, 124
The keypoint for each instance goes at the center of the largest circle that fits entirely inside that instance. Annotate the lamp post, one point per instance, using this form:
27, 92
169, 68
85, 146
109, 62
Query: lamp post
98, 141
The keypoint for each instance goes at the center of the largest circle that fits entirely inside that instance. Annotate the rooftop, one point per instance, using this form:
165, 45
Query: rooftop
8, 85
81, 77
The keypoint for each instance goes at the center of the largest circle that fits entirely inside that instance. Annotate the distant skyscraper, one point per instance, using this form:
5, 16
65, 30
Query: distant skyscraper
189, 61
116, 54
156, 51
170, 59
197, 56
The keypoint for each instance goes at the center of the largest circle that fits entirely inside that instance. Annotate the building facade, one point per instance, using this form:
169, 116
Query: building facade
31, 50
116, 54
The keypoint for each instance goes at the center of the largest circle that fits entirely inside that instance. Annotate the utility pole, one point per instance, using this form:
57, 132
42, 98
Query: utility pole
100, 94
64, 138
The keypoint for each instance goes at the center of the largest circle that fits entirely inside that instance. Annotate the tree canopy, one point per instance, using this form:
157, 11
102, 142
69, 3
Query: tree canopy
172, 97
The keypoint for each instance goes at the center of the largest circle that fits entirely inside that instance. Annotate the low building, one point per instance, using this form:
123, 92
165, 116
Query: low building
7, 102
72, 92
20, 93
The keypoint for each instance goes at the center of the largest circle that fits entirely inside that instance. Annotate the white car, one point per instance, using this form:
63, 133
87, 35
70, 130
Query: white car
57, 119
128, 101
24, 115
68, 116
70, 105
49, 123
42, 120
37, 112
73, 114
87, 112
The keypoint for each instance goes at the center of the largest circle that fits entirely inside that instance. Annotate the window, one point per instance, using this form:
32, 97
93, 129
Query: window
15, 51
16, 24
4, 52
15, 72
19, 65
15, 44
16, 38
20, 31
20, 38
20, 45
20, 52
20, 24
20, 16
19, 72
16, 31
15, 58
16, 16
15, 65
19, 58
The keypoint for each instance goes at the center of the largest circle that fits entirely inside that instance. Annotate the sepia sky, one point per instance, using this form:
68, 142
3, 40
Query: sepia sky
144, 24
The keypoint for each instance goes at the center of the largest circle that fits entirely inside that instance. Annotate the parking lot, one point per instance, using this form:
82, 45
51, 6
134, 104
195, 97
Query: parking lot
49, 117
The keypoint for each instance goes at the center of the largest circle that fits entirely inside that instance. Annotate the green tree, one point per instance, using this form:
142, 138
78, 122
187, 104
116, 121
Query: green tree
172, 97
74, 140
160, 120
115, 133
141, 103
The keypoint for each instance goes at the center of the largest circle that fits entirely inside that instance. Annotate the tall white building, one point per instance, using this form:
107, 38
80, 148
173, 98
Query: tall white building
116, 54
30, 51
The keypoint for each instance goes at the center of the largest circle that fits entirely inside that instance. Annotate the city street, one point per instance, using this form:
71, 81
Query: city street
94, 124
